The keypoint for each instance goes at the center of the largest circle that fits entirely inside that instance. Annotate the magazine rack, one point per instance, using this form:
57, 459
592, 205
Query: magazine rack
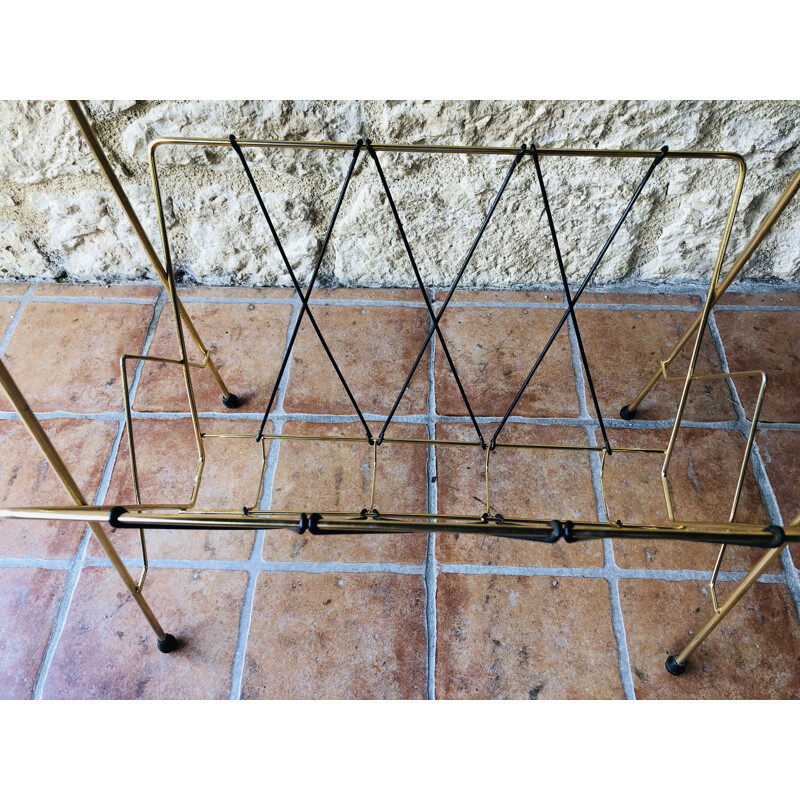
184, 513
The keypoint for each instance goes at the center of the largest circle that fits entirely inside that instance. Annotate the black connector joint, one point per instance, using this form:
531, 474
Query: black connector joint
778, 535
114, 515
558, 530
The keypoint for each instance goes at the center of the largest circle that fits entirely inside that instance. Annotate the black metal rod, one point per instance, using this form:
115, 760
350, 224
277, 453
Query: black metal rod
567, 295
455, 283
571, 304
422, 289
299, 291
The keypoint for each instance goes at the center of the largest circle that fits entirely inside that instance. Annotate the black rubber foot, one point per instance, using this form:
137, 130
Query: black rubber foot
673, 667
169, 645
232, 401
626, 413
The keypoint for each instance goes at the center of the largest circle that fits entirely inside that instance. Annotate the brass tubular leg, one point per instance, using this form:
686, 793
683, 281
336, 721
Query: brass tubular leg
166, 641
677, 664
733, 272
105, 165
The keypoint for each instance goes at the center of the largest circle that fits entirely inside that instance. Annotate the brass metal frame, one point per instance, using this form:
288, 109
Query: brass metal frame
369, 520
51, 454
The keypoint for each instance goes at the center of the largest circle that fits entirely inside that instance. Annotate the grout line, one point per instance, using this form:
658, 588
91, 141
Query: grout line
618, 624
609, 571
256, 561
23, 300
609, 564
256, 557
432, 500
698, 295
296, 306
612, 574
78, 560
259, 565
99, 301
245, 617
35, 563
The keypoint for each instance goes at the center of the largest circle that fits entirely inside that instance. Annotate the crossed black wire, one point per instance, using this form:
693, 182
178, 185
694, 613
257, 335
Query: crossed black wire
435, 318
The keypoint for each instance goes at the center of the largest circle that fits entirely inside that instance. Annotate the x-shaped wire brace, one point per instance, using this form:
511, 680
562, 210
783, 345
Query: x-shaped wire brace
571, 303
438, 318
304, 297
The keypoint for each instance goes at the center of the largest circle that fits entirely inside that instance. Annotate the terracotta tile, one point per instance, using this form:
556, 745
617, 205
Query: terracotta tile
65, 356
765, 340
127, 290
26, 479
108, 650
7, 311
753, 653
776, 298
381, 295
235, 292
514, 637
493, 350
13, 289
499, 296
779, 451
624, 348
540, 484
246, 343
375, 348
29, 600
166, 457
336, 636
703, 475
636, 299
336, 476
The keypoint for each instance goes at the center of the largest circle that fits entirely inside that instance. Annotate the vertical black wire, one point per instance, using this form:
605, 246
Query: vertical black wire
567, 295
304, 298
455, 283
571, 304
422, 289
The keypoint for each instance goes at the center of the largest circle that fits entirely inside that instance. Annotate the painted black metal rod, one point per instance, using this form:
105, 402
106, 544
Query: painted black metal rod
568, 296
453, 287
571, 304
422, 289
299, 291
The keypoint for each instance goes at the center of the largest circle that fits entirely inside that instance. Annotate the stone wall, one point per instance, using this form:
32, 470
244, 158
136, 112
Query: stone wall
59, 220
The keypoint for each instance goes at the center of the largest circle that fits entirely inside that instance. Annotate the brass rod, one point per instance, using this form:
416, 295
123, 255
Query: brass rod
443, 149
738, 265
755, 573
54, 459
105, 165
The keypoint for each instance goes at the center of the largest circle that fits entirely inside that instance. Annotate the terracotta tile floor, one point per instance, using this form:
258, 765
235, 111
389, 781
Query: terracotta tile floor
273, 614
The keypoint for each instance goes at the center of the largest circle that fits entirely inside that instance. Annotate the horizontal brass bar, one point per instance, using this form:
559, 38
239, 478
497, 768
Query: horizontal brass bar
447, 149
443, 442
534, 529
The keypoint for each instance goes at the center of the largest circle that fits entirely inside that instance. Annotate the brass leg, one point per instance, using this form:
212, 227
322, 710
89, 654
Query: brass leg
629, 411
229, 400
166, 641
676, 665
